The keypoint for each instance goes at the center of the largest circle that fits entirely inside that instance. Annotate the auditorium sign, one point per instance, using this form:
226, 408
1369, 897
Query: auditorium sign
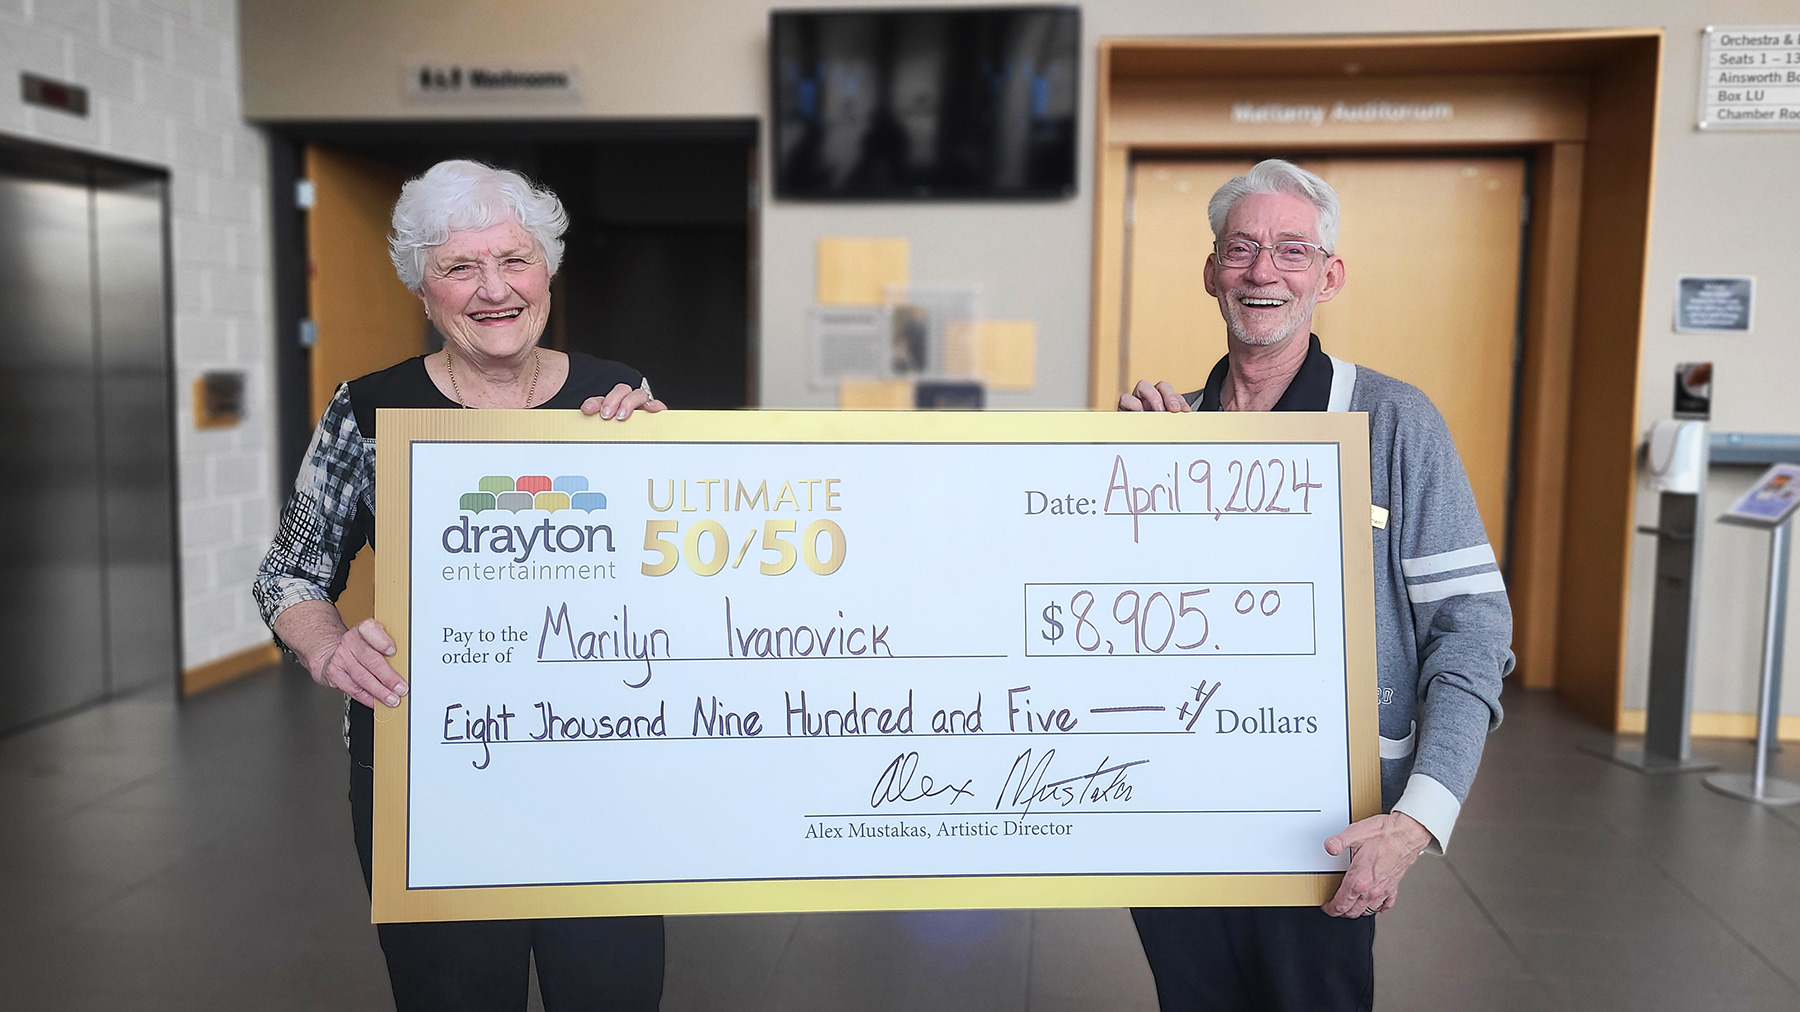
1316, 114
439, 80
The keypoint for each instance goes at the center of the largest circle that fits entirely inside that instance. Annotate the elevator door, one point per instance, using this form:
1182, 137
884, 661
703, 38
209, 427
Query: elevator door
1431, 248
87, 580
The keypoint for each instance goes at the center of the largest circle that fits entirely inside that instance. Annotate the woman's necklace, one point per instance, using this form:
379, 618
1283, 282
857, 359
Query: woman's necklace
537, 366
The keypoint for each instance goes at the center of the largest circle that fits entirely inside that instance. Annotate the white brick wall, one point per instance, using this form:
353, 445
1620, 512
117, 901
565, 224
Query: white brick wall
163, 87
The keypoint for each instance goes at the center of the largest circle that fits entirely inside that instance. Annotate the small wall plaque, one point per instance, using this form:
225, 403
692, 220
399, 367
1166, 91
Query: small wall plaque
218, 400
58, 95
1714, 305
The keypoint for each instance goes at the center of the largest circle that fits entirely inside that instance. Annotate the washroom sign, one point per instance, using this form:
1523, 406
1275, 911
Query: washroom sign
705, 662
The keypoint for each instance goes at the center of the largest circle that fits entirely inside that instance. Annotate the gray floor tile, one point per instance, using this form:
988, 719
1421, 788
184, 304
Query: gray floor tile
1548, 912
1678, 968
731, 961
1088, 959
948, 960
1124, 1002
1433, 990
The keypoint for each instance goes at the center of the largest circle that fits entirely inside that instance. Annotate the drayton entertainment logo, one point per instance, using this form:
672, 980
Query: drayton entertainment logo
533, 492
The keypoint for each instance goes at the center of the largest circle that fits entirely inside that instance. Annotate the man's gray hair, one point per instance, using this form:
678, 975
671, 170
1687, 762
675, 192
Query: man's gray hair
1276, 176
458, 195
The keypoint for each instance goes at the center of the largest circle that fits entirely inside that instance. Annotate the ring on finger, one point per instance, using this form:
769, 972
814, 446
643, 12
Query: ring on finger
1372, 910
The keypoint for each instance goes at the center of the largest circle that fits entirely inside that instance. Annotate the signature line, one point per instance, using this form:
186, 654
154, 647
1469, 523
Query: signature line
1060, 814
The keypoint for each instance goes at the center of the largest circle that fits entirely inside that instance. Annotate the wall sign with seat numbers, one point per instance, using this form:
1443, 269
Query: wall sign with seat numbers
769, 661
1750, 78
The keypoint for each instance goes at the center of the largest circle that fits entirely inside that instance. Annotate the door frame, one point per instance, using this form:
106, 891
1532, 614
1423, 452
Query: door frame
1583, 105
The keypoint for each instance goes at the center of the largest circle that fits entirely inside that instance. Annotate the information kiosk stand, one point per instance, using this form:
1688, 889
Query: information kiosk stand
1770, 504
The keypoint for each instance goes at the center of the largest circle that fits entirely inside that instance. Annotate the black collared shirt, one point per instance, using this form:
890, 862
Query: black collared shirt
1309, 390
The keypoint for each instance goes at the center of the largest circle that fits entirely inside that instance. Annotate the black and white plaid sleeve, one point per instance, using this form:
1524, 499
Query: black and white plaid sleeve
337, 478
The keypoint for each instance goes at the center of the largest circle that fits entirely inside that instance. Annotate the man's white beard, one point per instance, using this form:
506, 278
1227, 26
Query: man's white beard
1235, 326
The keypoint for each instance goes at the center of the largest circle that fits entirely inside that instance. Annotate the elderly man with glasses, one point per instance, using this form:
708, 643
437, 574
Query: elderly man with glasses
1443, 625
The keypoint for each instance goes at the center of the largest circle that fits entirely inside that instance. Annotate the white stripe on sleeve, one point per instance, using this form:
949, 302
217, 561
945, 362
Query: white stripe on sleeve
1480, 583
1444, 562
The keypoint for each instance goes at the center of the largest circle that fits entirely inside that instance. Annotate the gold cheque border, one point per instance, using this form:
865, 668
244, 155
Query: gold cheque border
397, 429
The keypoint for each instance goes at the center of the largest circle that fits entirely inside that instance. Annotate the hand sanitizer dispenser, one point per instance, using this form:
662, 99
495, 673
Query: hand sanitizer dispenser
1677, 456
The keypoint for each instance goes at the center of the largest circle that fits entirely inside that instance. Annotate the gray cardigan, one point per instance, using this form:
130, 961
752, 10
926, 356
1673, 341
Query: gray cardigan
1443, 626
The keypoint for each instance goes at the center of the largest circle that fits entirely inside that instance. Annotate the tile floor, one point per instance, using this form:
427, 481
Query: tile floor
196, 857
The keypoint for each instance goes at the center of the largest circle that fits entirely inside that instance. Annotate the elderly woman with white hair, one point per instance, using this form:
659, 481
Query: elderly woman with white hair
478, 245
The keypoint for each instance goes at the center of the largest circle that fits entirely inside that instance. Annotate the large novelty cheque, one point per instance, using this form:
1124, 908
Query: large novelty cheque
767, 661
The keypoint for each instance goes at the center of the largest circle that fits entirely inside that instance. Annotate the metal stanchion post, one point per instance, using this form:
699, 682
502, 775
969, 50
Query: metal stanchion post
1758, 786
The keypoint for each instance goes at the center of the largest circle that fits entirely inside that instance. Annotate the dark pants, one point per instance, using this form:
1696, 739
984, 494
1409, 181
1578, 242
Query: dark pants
1266, 959
583, 963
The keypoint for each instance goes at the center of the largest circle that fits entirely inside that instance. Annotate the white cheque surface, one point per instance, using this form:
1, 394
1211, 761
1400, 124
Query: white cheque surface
665, 662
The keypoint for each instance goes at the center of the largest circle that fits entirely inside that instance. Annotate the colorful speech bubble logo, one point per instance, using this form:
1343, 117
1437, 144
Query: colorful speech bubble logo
533, 491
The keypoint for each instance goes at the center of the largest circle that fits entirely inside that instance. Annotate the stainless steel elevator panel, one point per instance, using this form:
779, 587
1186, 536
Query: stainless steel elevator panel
87, 581
52, 605
137, 462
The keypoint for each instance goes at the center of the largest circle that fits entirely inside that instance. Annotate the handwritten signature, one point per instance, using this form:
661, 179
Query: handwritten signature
1027, 783
1033, 784
902, 781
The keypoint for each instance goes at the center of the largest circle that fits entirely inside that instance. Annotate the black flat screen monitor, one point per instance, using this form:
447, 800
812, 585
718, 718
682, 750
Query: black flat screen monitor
925, 103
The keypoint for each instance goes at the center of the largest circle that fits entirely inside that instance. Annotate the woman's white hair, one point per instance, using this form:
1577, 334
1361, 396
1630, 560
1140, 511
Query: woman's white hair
1276, 176
457, 195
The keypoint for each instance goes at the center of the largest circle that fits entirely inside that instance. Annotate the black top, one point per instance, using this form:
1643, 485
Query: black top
1309, 390
408, 385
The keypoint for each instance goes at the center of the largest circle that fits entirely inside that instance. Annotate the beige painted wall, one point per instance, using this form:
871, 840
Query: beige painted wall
1719, 198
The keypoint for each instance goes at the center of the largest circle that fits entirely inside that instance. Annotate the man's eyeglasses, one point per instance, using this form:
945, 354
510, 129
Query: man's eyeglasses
1287, 255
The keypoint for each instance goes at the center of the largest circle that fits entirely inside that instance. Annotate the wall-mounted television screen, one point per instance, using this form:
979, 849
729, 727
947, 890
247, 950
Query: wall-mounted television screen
928, 102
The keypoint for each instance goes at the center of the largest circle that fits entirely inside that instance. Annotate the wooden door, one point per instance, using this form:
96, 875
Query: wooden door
1173, 330
1432, 252
367, 320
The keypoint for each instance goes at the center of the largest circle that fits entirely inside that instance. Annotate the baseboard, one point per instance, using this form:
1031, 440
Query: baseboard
1717, 725
198, 679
